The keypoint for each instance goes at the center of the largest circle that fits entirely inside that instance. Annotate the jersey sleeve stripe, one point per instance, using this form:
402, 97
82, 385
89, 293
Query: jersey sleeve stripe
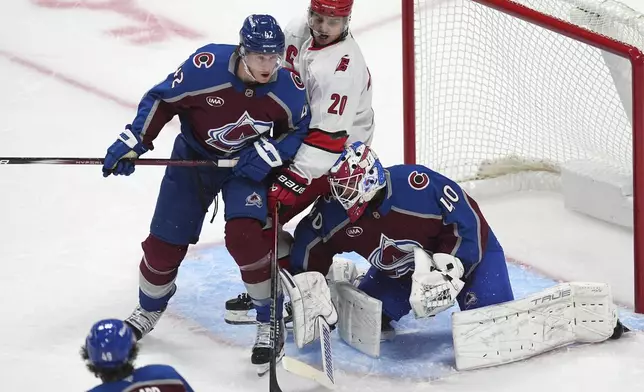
330, 142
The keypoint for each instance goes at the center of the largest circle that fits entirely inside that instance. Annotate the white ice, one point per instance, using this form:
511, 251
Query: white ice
70, 238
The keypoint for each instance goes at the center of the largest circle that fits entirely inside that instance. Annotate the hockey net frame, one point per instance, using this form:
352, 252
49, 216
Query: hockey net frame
624, 50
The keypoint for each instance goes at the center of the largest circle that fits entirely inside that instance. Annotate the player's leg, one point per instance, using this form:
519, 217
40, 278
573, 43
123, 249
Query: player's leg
246, 214
237, 309
184, 196
489, 283
393, 293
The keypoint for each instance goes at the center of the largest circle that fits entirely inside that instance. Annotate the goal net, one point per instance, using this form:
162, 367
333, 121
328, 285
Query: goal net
520, 89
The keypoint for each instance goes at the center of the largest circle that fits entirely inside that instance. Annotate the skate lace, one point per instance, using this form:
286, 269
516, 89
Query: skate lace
143, 319
244, 297
263, 337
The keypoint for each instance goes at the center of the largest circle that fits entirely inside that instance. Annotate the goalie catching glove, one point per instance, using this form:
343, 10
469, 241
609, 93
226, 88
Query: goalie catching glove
311, 298
436, 282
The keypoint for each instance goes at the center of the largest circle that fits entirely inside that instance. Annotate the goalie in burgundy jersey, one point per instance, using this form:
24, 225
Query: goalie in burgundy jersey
320, 48
384, 214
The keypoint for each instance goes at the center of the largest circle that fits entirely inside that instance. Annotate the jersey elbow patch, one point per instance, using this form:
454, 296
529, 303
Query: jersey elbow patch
331, 142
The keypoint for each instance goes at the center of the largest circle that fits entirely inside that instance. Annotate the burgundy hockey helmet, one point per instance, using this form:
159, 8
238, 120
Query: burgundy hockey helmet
355, 178
332, 7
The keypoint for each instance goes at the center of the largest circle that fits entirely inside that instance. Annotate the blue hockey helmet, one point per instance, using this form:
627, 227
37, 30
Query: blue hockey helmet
109, 343
262, 34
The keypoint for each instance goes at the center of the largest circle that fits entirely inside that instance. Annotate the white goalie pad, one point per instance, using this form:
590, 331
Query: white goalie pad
311, 298
341, 270
360, 319
567, 313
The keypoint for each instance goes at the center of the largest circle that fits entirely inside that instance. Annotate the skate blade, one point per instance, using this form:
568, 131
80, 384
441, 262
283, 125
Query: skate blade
239, 317
265, 367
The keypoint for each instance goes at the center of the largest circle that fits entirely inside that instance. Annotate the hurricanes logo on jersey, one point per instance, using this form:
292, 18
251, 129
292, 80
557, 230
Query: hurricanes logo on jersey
394, 257
343, 64
234, 136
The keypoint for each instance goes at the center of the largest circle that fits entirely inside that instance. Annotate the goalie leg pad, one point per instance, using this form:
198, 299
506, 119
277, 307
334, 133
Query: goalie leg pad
515, 330
341, 271
310, 299
360, 319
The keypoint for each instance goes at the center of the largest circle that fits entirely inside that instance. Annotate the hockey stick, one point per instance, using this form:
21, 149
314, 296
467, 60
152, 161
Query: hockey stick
99, 161
275, 281
324, 377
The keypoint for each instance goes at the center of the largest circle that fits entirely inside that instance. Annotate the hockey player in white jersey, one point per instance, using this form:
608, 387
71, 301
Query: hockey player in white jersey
321, 49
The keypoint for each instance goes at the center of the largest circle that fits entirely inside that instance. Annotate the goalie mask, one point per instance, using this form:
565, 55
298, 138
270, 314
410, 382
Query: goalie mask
355, 178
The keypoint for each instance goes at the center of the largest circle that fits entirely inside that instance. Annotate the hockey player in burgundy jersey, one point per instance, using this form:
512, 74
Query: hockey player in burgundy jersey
233, 101
383, 214
109, 352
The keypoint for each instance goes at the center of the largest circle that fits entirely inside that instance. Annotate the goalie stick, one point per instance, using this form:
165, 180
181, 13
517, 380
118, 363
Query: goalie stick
99, 161
324, 377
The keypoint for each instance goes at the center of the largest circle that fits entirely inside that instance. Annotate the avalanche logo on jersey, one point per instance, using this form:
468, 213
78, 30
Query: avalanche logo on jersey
394, 257
234, 136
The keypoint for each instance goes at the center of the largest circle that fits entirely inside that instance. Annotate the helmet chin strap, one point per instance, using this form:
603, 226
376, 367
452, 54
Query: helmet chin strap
247, 70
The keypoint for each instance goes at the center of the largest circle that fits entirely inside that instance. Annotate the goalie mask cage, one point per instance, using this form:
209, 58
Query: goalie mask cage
495, 87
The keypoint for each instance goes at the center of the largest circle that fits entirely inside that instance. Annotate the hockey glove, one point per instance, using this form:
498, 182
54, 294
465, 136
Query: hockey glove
256, 161
435, 283
120, 154
287, 187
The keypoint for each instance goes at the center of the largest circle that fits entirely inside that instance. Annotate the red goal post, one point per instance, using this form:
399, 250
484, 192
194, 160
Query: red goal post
492, 87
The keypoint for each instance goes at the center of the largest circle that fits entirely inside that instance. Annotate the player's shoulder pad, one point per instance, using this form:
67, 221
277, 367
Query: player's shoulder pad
210, 57
342, 61
289, 88
417, 188
206, 67
297, 29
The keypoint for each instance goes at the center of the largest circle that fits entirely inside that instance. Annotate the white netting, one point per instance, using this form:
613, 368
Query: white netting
496, 94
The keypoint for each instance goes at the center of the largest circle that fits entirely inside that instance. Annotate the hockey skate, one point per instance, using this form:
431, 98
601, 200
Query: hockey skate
261, 356
238, 311
142, 322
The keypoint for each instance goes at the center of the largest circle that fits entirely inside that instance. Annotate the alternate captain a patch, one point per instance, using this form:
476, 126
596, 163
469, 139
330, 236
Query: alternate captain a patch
203, 59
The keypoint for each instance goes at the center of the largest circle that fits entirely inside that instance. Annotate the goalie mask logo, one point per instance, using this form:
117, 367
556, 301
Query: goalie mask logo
394, 257
234, 136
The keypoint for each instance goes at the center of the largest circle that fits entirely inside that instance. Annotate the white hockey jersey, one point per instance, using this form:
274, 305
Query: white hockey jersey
339, 90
